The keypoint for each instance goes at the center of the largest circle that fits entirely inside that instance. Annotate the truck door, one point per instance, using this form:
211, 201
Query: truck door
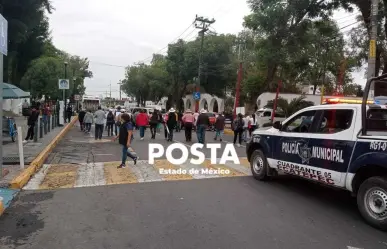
331, 143
291, 144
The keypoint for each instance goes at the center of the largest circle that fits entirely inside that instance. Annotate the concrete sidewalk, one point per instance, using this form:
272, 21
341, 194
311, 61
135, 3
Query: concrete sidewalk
11, 161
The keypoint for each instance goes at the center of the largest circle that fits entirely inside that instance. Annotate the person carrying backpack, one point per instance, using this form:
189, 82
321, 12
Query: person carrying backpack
238, 126
109, 123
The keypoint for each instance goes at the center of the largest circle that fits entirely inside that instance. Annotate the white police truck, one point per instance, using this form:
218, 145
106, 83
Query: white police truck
340, 145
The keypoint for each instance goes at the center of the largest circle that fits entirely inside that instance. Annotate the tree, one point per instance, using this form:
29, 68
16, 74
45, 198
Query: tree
281, 27
42, 78
28, 30
289, 108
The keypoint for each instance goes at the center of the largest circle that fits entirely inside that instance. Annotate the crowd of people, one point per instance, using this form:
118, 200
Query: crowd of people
120, 124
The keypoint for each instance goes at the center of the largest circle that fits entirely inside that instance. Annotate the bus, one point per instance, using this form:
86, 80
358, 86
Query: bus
91, 102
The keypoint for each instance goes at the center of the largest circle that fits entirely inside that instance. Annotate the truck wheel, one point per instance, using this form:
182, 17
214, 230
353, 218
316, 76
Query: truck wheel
372, 201
258, 163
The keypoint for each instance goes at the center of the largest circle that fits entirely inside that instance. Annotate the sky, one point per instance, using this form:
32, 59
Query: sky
122, 32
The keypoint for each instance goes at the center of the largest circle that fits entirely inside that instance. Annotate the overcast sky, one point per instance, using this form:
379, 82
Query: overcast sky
122, 32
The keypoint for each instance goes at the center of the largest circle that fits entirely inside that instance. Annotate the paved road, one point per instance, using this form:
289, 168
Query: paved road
220, 212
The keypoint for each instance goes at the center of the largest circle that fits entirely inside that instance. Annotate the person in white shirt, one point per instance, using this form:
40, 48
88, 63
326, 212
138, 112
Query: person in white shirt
117, 121
253, 124
246, 120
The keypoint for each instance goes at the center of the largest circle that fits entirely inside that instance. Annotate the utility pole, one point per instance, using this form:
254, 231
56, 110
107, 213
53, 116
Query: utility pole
120, 84
372, 49
203, 24
239, 81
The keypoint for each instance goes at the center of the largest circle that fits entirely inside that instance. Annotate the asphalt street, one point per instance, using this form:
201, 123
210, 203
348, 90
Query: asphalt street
226, 212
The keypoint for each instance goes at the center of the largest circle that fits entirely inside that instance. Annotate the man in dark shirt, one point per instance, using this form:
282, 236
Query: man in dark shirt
219, 126
81, 116
202, 124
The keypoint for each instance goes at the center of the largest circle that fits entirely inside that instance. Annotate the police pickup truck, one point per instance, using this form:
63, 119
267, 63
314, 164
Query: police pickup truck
333, 144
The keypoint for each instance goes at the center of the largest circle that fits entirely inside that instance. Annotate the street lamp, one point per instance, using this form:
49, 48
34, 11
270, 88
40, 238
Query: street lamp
64, 92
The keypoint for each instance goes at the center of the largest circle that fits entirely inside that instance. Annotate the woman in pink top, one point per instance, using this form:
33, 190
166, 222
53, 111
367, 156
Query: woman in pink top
188, 120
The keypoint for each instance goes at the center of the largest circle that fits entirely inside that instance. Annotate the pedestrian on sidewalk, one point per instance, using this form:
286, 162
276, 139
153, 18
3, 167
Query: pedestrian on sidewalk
142, 120
238, 125
202, 124
219, 126
100, 117
81, 119
171, 123
88, 121
110, 123
31, 122
154, 121
69, 113
125, 138
188, 120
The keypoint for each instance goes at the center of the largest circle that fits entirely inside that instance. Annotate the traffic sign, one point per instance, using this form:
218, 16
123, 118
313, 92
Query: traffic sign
64, 84
77, 97
3, 35
196, 95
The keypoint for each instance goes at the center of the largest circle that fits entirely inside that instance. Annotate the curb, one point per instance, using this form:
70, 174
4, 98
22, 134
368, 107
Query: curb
22, 179
228, 132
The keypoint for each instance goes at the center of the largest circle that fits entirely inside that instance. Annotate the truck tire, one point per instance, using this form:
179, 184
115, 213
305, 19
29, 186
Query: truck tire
258, 163
372, 201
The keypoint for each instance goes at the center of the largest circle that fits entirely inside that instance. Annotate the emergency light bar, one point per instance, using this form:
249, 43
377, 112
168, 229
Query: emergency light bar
344, 101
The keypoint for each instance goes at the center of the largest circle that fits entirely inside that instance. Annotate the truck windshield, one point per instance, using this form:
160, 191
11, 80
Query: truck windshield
377, 122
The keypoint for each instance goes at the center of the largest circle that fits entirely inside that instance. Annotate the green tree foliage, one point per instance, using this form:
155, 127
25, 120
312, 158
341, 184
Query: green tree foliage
289, 108
33, 62
175, 74
28, 29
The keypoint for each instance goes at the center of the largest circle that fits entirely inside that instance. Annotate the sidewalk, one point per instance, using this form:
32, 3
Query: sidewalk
11, 160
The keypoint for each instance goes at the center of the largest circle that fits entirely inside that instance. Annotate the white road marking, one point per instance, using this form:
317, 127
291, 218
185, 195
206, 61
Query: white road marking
145, 172
89, 175
38, 178
351, 247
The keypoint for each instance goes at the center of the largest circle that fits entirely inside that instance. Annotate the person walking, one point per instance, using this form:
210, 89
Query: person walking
238, 125
69, 113
165, 119
110, 123
246, 121
219, 127
160, 121
117, 123
201, 125
253, 124
188, 120
32, 119
81, 119
142, 120
154, 121
171, 123
88, 121
100, 117
125, 138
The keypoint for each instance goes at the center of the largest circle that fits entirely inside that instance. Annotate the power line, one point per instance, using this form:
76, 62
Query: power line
168, 43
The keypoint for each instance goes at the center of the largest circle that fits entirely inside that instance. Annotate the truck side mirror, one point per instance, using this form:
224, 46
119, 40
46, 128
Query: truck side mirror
277, 125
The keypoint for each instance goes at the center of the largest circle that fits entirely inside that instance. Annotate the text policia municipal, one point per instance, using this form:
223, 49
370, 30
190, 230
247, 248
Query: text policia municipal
157, 151
329, 154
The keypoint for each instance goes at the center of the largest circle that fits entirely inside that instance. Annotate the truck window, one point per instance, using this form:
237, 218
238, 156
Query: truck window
300, 123
267, 114
377, 122
334, 121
